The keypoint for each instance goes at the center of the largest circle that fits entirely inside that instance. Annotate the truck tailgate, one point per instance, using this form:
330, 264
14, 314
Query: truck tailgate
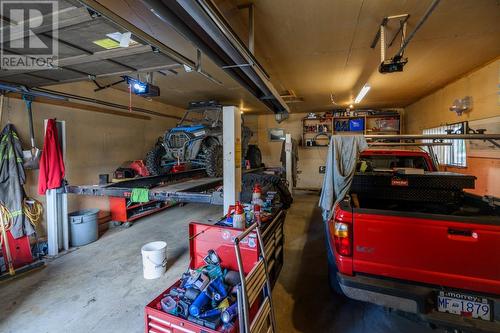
457, 254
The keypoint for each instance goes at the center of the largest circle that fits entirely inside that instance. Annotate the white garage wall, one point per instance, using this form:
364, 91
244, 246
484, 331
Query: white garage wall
310, 159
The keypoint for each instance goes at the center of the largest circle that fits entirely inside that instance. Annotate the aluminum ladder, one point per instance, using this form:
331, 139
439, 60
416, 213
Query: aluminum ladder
253, 285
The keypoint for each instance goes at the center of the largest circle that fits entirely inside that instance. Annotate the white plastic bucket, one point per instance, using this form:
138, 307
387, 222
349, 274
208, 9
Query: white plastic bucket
154, 259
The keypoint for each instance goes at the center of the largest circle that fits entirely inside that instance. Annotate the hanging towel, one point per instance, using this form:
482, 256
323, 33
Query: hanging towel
51, 163
139, 195
341, 161
12, 178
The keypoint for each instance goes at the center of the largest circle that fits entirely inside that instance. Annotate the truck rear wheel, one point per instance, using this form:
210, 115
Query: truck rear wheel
213, 160
254, 156
153, 160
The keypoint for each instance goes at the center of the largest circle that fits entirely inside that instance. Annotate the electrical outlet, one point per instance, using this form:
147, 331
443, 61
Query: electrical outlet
322, 169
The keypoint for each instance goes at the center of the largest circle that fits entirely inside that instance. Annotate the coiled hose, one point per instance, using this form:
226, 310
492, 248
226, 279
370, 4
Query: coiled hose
6, 221
33, 210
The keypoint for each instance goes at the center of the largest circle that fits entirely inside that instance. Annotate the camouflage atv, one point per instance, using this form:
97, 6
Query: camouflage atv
197, 140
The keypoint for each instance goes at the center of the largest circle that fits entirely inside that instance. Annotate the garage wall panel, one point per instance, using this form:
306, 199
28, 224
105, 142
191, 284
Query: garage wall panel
96, 143
483, 85
310, 159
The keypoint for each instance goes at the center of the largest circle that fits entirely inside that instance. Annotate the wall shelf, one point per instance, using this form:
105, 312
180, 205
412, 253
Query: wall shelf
314, 129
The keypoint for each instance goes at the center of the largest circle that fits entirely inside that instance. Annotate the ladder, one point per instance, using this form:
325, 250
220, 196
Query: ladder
253, 285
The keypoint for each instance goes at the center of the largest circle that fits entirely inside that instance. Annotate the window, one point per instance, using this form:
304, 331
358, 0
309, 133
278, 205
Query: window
384, 162
455, 154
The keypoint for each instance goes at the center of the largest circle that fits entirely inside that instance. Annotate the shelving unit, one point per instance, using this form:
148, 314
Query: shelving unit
383, 124
314, 130
347, 125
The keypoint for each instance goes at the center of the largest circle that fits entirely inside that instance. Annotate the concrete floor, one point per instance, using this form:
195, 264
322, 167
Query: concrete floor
99, 287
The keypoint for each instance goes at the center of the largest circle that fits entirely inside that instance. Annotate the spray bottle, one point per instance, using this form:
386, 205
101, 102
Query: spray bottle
239, 216
256, 195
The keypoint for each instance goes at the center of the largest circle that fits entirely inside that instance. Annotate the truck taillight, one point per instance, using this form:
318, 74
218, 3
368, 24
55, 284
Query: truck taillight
342, 238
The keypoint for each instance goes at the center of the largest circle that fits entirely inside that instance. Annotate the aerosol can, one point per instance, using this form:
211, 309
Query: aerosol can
256, 214
239, 216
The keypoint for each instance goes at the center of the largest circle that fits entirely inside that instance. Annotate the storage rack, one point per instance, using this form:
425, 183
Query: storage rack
367, 124
344, 125
311, 127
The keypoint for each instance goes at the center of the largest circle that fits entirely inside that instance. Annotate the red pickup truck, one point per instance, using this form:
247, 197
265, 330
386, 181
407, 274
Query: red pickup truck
416, 242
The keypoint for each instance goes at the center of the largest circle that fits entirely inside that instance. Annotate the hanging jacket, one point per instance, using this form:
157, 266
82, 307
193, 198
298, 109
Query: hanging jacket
12, 178
51, 162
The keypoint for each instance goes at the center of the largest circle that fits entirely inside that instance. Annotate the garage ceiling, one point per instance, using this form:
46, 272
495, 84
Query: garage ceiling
323, 46
310, 48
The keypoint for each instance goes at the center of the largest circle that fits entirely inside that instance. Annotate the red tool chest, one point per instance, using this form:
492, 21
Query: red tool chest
204, 237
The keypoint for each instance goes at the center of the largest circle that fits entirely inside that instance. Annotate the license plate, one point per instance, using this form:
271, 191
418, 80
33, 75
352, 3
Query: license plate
464, 305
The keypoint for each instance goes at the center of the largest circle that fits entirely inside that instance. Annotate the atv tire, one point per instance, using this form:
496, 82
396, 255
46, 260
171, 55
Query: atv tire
213, 160
254, 156
153, 160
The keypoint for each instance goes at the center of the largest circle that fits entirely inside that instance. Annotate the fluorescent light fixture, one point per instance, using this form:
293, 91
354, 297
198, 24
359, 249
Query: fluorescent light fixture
362, 93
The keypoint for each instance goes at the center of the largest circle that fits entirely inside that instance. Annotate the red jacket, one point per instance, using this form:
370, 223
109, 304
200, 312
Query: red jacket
51, 163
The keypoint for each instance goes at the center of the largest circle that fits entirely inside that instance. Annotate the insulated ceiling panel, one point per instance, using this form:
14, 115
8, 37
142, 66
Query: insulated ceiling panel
85, 34
84, 50
99, 67
60, 74
145, 60
26, 50
27, 80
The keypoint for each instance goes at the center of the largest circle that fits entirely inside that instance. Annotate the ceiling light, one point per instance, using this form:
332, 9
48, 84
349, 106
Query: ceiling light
362, 93
351, 106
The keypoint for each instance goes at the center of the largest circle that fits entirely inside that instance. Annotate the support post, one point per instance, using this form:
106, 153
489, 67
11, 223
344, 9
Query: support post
288, 159
57, 206
52, 224
231, 133
64, 220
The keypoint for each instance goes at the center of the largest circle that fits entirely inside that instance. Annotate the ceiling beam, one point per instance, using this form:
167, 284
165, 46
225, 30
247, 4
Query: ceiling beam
86, 58
84, 107
104, 55
124, 72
